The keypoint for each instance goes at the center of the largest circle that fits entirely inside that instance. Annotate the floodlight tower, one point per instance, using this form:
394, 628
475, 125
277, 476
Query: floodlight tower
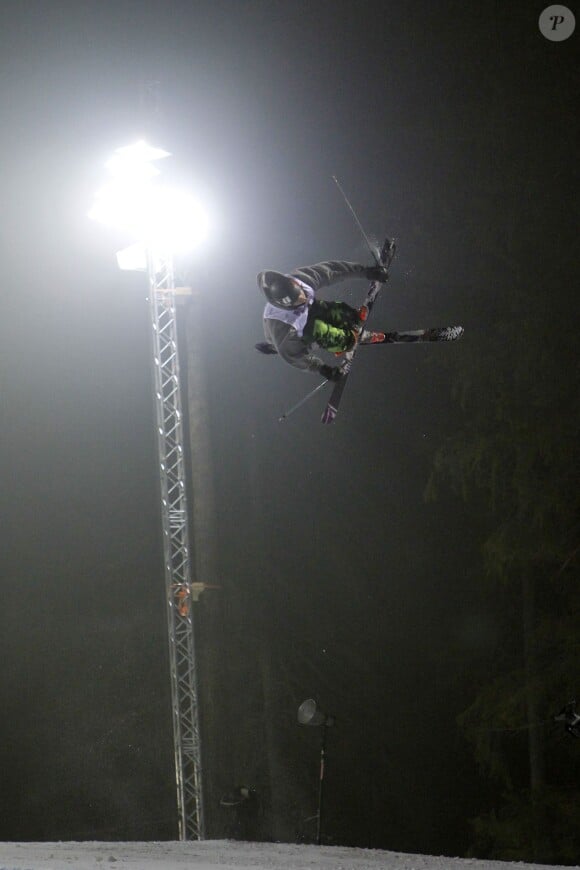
163, 221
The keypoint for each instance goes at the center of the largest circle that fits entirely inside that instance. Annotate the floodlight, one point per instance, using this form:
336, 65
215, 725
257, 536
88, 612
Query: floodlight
309, 714
163, 218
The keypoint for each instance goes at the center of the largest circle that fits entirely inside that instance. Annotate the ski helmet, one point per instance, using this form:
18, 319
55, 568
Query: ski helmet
279, 289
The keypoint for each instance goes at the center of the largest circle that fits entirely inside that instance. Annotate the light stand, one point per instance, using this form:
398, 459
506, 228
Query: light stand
309, 714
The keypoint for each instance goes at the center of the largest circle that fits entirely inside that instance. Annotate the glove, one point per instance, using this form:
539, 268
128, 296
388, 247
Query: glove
353, 318
376, 273
331, 373
265, 347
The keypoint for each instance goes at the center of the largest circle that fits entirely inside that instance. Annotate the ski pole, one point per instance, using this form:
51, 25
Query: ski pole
358, 223
301, 402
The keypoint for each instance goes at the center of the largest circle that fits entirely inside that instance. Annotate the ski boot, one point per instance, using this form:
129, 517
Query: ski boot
368, 337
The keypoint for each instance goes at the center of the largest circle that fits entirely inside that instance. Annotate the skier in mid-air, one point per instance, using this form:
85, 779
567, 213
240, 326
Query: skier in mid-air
295, 319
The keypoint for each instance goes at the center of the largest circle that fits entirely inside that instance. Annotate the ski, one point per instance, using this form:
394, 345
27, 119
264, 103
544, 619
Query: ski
443, 333
331, 410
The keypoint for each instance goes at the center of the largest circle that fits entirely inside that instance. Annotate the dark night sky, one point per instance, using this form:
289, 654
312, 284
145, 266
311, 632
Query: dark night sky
322, 539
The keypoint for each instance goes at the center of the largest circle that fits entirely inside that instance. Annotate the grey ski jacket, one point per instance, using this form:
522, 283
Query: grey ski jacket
292, 347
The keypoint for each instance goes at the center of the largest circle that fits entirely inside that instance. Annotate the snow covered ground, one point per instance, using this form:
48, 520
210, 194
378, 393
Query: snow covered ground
227, 855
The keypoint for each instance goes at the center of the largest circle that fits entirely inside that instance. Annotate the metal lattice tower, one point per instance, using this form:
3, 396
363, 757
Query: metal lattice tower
178, 575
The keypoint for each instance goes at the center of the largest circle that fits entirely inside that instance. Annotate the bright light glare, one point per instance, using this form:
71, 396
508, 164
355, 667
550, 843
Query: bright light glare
122, 206
133, 163
161, 216
130, 171
141, 152
133, 258
168, 219
178, 221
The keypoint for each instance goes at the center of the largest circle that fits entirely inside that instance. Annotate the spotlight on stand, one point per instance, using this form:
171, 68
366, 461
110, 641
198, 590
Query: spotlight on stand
309, 714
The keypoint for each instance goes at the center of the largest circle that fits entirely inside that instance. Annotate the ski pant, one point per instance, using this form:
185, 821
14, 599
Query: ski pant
331, 325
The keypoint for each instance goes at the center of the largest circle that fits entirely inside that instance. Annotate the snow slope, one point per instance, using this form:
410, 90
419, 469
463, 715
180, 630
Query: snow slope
227, 855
